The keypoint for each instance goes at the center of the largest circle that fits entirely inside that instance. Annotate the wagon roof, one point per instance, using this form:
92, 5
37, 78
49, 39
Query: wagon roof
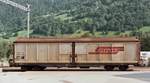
82, 40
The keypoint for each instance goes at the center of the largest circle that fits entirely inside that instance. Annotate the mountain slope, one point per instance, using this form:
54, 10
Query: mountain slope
52, 17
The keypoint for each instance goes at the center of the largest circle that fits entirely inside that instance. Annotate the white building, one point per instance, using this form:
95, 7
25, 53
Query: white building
145, 55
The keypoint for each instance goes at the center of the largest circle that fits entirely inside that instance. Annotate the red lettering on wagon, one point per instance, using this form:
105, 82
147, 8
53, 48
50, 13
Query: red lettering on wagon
107, 50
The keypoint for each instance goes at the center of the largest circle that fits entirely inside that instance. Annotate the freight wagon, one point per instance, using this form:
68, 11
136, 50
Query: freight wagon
39, 53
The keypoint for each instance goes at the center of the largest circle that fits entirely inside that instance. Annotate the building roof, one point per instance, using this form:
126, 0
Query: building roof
79, 40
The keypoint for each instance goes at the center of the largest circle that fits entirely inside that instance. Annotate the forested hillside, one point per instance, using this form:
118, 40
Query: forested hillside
76, 18
56, 17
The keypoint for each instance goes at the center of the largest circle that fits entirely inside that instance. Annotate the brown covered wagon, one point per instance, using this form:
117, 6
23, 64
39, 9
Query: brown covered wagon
39, 53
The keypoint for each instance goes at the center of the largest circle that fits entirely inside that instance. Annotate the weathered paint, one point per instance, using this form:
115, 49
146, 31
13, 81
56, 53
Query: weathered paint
75, 52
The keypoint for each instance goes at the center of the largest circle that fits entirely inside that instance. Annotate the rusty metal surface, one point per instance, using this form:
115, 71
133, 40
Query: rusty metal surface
106, 52
76, 40
78, 53
76, 50
42, 52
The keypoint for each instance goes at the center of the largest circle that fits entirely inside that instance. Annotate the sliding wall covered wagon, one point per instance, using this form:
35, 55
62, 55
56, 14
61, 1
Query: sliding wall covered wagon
39, 53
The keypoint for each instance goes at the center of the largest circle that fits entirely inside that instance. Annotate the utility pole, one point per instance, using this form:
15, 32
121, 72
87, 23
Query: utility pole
28, 21
27, 9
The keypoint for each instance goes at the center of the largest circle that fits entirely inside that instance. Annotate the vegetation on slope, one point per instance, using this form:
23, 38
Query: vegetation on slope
76, 18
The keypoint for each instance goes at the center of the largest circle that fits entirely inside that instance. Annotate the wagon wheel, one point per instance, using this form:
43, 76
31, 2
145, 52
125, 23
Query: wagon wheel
123, 67
109, 67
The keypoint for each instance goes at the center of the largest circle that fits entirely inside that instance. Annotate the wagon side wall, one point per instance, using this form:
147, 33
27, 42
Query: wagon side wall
107, 52
42, 52
60, 53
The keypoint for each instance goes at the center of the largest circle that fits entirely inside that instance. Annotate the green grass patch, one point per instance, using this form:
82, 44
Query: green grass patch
145, 29
23, 33
63, 17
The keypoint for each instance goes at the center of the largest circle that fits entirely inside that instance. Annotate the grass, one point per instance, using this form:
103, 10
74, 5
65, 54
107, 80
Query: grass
20, 34
63, 17
112, 33
145, 29
23, 33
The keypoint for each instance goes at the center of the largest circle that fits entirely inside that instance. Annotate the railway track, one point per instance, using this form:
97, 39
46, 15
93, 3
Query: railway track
17, 69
